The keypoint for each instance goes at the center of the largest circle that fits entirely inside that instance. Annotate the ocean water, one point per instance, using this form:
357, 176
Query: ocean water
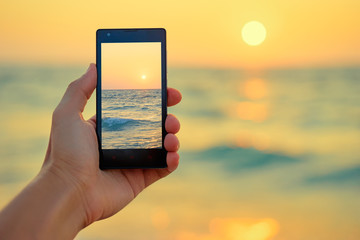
273, 154
131, 119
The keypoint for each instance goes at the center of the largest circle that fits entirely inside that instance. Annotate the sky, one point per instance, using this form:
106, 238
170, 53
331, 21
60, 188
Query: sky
200, 33
131, 65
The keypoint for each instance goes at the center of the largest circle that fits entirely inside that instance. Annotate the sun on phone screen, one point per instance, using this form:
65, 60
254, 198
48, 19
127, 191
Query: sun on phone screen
131, 95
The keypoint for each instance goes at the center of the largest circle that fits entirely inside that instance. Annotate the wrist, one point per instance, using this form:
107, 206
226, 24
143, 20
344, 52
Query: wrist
49, 207
65, 215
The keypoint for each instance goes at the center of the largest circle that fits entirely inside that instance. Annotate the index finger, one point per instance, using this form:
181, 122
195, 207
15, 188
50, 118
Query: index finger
173, 96
78, 93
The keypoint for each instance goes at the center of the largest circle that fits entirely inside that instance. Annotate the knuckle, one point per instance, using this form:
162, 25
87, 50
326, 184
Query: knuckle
73, 85
56, 113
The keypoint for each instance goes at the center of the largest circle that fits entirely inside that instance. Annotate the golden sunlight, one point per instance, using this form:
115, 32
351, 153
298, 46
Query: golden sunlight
253, 33
255, 88
257, 112
236, 229
160, 219
244, 229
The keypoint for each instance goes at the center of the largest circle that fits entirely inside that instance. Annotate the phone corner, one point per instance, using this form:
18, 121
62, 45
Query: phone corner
163, 30
98, 31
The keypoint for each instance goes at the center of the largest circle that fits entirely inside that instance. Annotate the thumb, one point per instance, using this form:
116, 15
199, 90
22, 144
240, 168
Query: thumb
78, 92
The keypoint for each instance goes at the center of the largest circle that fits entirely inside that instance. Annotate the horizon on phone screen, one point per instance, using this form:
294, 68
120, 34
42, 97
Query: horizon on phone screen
131, 116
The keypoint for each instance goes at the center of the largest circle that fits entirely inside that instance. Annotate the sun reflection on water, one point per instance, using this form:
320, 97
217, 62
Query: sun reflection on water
257, 112
254, 88
160, 219
254, 108
260, 142
236, 229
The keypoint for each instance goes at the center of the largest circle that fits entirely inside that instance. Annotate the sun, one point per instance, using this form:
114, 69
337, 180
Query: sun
253, 33
143, 79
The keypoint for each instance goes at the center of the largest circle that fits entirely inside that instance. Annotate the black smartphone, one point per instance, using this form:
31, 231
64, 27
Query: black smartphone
131, 97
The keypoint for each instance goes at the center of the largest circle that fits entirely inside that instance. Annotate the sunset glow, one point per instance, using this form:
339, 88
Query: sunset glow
124, 63
254, 88
236, 229
325, 36
244, 229
256, 112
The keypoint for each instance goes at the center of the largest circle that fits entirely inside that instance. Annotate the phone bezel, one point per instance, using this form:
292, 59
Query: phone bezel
131, 158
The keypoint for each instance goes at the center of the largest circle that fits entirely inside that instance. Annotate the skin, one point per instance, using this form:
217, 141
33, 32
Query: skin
71, 192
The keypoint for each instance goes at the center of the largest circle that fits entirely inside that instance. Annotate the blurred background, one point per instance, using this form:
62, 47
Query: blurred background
270, 138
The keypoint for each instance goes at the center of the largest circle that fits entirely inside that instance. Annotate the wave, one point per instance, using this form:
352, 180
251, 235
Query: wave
119, 108
236, 159
117, 124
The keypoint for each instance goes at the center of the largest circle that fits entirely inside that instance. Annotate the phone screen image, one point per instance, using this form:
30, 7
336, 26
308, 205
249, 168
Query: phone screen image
131, 95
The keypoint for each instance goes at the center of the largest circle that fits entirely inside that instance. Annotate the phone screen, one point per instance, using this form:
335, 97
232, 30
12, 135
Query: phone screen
131, 95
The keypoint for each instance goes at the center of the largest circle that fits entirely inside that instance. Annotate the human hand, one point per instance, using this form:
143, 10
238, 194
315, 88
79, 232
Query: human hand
71, 192
73, 156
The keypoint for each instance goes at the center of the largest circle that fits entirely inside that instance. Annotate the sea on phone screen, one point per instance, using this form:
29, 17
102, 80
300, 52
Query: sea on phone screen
131, 119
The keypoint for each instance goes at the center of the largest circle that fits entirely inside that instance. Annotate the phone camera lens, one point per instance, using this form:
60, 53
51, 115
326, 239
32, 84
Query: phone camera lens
108, 34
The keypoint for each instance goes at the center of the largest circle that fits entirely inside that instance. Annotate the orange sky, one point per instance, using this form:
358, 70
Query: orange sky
200, 33
131, 65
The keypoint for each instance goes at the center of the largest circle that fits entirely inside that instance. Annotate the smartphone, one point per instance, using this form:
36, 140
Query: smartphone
131, 97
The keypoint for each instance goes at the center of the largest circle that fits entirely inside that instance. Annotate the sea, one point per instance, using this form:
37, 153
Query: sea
264, 154
131, 119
